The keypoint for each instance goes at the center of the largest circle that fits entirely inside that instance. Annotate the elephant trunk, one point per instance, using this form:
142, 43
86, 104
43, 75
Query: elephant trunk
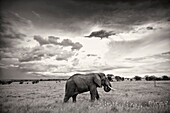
108, 88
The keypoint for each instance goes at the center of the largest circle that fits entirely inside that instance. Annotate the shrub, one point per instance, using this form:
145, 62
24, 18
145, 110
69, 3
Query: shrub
35, 81
21, 82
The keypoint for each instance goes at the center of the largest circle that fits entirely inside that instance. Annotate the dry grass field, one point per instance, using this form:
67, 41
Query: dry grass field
47, 97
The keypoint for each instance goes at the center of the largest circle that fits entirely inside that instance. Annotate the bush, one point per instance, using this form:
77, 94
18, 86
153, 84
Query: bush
35, 81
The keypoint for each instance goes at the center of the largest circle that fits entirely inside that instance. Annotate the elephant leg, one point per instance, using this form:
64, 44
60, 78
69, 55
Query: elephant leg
70, 90
97, 95
68, 94
74, 97
93, 93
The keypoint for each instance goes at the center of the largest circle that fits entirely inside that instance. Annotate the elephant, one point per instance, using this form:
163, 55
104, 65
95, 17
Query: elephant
79, 83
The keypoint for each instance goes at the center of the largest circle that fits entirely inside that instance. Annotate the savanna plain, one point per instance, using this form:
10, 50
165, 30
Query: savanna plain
47, 97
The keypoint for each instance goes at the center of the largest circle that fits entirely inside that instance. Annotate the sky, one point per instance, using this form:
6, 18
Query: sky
49, 38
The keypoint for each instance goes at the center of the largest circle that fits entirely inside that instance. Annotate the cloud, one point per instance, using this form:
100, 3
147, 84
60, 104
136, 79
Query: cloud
64, 56
68, 42
149, 28
54, 40
162, 57
40, 40
76, 46
91, 55
76, 18
46, 52
36, 14
158, 63
75, 61
101, 34
7, 30
46, 66
13, 52
35, 67
83, 63
10, 32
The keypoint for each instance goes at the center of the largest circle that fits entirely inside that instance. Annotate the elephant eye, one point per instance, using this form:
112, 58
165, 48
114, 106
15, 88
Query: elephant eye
102, 81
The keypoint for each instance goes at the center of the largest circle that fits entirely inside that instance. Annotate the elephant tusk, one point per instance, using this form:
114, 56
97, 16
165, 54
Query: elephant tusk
112, 88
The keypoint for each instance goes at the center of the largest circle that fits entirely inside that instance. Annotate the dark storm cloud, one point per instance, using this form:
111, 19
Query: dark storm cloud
69, 15
122, 14
9, 35
101, 34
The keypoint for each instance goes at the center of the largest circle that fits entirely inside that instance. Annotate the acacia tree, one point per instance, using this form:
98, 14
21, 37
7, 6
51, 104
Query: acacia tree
109, 76
118, 78
165, 77
138, 78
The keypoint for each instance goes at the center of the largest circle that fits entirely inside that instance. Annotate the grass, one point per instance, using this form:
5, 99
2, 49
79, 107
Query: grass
47, 97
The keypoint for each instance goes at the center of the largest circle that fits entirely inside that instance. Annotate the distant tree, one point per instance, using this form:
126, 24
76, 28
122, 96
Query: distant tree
153, 77
122, 78
165, 77
137, 78
109, 76
5, 82
147, 78
118, 78
158, 78
150, 78
127, 78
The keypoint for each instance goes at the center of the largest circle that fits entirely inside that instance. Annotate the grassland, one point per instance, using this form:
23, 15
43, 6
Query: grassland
47, 97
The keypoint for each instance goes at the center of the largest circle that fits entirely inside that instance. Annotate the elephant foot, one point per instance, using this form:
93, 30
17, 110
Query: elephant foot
92, 100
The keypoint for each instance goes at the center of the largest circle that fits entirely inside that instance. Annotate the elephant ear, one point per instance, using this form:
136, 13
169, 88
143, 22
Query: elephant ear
97, 80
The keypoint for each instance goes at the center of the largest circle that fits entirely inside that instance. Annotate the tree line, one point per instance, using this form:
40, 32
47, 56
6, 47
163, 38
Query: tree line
152, 78
138, 78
